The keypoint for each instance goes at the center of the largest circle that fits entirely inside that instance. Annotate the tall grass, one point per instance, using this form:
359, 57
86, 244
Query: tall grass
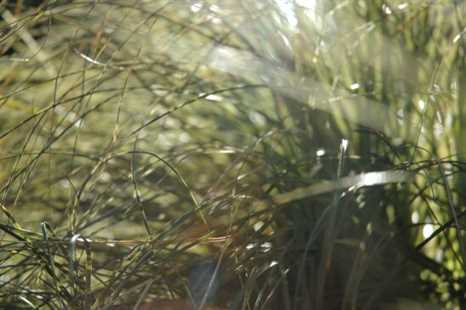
232, 154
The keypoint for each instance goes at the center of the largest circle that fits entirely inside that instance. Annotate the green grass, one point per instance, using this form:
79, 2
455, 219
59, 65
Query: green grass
242, 154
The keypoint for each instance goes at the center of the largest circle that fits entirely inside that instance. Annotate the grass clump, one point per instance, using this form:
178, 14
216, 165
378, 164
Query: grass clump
232, 155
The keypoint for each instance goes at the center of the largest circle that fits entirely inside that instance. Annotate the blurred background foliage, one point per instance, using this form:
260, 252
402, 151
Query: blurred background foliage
233, 154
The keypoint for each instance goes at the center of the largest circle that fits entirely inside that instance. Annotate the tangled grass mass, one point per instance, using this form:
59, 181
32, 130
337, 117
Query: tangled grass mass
232, 154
